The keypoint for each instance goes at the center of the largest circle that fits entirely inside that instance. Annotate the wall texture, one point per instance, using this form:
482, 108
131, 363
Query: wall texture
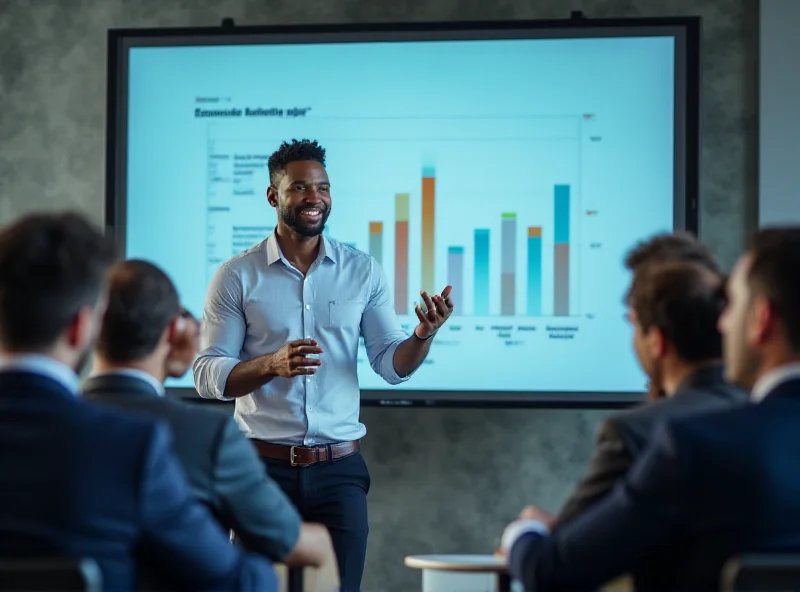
443, 480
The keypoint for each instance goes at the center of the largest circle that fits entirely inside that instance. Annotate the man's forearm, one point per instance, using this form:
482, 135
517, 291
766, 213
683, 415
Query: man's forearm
410, 354
248, 376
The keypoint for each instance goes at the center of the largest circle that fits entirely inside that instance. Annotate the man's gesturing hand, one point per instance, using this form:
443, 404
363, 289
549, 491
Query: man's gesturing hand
291, 360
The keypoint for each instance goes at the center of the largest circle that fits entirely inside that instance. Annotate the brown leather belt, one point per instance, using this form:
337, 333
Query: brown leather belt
302, 456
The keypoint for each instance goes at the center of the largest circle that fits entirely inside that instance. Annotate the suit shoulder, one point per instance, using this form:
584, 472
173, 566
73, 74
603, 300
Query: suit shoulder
640, 414
635, 425
200, 416
202, 412
112, 425
710, 422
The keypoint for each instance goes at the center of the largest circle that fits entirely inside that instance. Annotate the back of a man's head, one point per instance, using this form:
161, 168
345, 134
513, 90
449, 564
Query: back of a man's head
51, 267
142, 301
673, 246
684, 300
774, 272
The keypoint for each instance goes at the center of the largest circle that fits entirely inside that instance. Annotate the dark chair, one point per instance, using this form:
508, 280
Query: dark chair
294, 579
50, 575
762, 572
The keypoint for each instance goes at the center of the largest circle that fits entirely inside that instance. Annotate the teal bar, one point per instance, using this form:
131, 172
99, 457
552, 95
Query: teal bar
561, 204
534, 276
481, 292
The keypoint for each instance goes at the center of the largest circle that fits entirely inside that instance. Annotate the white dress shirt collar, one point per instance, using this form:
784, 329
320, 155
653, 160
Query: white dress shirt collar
140, 374
43, 366
773, 379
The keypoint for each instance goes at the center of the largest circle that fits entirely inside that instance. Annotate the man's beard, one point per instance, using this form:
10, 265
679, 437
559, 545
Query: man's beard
292, 219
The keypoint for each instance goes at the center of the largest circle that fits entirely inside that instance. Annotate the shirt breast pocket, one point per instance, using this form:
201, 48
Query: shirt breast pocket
345, 315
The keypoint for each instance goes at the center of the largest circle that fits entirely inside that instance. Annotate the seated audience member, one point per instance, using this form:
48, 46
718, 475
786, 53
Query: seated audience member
709, 486
77, 480
668, 246
680, 349
147, 336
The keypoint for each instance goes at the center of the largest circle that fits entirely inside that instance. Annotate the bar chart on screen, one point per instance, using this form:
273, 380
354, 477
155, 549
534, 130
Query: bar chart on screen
488, 205
492, 206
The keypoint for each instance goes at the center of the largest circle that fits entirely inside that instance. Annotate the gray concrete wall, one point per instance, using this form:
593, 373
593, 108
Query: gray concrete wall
443, 480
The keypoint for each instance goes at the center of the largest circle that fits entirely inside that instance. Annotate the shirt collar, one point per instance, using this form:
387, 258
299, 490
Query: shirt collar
140, 374
772, 379
326, 250
43, 366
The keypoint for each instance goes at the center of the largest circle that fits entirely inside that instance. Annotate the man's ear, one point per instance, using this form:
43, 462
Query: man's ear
656, 342
81, 330
761, 322
272, 196
174, 330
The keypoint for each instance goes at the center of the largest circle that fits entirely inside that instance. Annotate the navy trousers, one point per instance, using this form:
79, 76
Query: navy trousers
332, 493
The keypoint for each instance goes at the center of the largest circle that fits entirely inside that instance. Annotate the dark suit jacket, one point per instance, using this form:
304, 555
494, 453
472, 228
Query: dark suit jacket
622, 436
222, 465
708, 487
77, 480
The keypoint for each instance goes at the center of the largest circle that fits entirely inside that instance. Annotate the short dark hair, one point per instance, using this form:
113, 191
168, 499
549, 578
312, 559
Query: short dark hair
142, 301
684, 299
665, 247
294, 151
51, 266
671, 246
775, 273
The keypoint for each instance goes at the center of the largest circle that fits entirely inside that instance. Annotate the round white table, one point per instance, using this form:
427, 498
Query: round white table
467, 573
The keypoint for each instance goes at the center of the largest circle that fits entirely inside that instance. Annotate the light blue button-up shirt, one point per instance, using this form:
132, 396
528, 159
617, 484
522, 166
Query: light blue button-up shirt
258, 301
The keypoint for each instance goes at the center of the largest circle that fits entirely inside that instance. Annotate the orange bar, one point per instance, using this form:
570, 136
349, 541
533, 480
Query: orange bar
401, 254
375, 227
428, 221
534, 231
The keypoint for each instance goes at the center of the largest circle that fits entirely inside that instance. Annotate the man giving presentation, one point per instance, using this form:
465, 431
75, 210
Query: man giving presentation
281, 328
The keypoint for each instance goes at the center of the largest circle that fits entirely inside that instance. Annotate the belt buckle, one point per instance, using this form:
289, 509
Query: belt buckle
292, 456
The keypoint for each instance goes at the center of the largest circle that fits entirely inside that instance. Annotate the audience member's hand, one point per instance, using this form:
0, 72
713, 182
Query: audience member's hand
184, 345
291, 360
534, 513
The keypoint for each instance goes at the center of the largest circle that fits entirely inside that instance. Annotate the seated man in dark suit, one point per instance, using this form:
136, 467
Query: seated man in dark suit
146, 337
77, 480
680, 350
709, 486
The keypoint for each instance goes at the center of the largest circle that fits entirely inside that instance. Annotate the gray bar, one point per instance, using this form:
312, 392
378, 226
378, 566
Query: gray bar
561, 281
508, 265
376, 246
455, 275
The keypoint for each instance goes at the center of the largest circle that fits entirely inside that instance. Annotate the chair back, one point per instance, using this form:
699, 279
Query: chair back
762, 572
50, 575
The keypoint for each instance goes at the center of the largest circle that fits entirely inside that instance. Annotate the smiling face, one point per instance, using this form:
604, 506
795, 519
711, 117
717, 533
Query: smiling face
302, 196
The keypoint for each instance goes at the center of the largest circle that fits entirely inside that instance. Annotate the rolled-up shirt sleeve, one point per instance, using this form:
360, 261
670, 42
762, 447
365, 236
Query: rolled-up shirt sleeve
381, 329
222, 335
